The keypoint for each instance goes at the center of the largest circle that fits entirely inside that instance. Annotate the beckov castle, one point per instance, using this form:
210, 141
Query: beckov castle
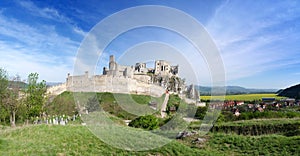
136, 79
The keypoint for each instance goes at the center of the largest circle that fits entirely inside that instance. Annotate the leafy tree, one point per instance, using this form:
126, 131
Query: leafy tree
148, 122
3, 89
93, 104
3, 82
35, 96
12, 99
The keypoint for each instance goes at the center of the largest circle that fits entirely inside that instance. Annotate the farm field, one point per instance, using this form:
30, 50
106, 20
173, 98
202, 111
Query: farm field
242, 97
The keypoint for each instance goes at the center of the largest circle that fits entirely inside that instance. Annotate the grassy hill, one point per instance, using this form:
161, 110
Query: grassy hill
78, 140
282, 136
116, 104
72, 140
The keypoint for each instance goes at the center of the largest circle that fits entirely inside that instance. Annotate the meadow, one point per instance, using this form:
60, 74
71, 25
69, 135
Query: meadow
275, 137
242, 97
78, 140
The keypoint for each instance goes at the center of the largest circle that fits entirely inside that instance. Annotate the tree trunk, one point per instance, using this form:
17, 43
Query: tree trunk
13, 119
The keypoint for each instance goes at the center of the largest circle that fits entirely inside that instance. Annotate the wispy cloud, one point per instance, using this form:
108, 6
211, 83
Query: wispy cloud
41, 37
256, 37
46, 12
51, 14
25, 48
18, 60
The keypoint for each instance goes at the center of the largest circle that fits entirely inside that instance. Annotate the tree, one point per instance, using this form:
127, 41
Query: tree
10, 97
11, 100
93, 104
3, 82
3, 89
35, 95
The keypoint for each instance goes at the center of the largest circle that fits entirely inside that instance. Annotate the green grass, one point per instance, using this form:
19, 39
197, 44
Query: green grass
232, 144
124, 106
261, 122
72, 140
242, 97
78, 140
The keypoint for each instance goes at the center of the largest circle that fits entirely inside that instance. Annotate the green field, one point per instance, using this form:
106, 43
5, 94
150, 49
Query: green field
78, 140
242, 97
283, 135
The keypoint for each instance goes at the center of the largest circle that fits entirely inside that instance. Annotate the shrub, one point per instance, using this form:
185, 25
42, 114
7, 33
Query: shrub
148, 122
201, 112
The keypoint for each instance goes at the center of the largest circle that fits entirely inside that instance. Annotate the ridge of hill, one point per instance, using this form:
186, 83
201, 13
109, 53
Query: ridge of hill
291, 92
205, 90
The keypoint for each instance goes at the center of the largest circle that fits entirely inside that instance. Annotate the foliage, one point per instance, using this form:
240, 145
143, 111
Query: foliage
3, 81
9, 97
228, 115
148, 122
174, 101
35, 95
93, 104
201, 112
3, 89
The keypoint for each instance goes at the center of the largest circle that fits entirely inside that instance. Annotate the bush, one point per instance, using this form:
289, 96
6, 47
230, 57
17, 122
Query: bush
148, 122
201, 112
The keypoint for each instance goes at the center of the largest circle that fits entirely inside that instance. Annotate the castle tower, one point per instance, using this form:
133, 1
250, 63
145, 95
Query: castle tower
162, 68
112, 63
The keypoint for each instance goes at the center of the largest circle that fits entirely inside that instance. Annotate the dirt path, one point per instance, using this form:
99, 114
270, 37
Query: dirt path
164, 106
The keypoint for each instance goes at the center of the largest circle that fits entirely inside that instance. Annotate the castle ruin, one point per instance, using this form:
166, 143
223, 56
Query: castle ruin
136, 79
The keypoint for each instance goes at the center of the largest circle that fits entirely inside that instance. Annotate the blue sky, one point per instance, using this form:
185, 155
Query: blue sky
258, 40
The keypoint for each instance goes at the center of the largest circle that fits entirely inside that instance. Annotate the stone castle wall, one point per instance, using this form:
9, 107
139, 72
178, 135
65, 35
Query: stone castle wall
105, 83
58, 89
117, 78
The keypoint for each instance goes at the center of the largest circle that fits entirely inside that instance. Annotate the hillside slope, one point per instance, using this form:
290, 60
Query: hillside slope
291, 92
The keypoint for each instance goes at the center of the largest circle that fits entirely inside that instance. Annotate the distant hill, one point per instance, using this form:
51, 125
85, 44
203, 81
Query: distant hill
291, 92
233, 90
50, 84
20, 84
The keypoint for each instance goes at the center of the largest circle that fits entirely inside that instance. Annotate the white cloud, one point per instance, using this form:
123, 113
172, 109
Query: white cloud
18, 61
46, 12
253, 37
51, 14
79, 31
25, 49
